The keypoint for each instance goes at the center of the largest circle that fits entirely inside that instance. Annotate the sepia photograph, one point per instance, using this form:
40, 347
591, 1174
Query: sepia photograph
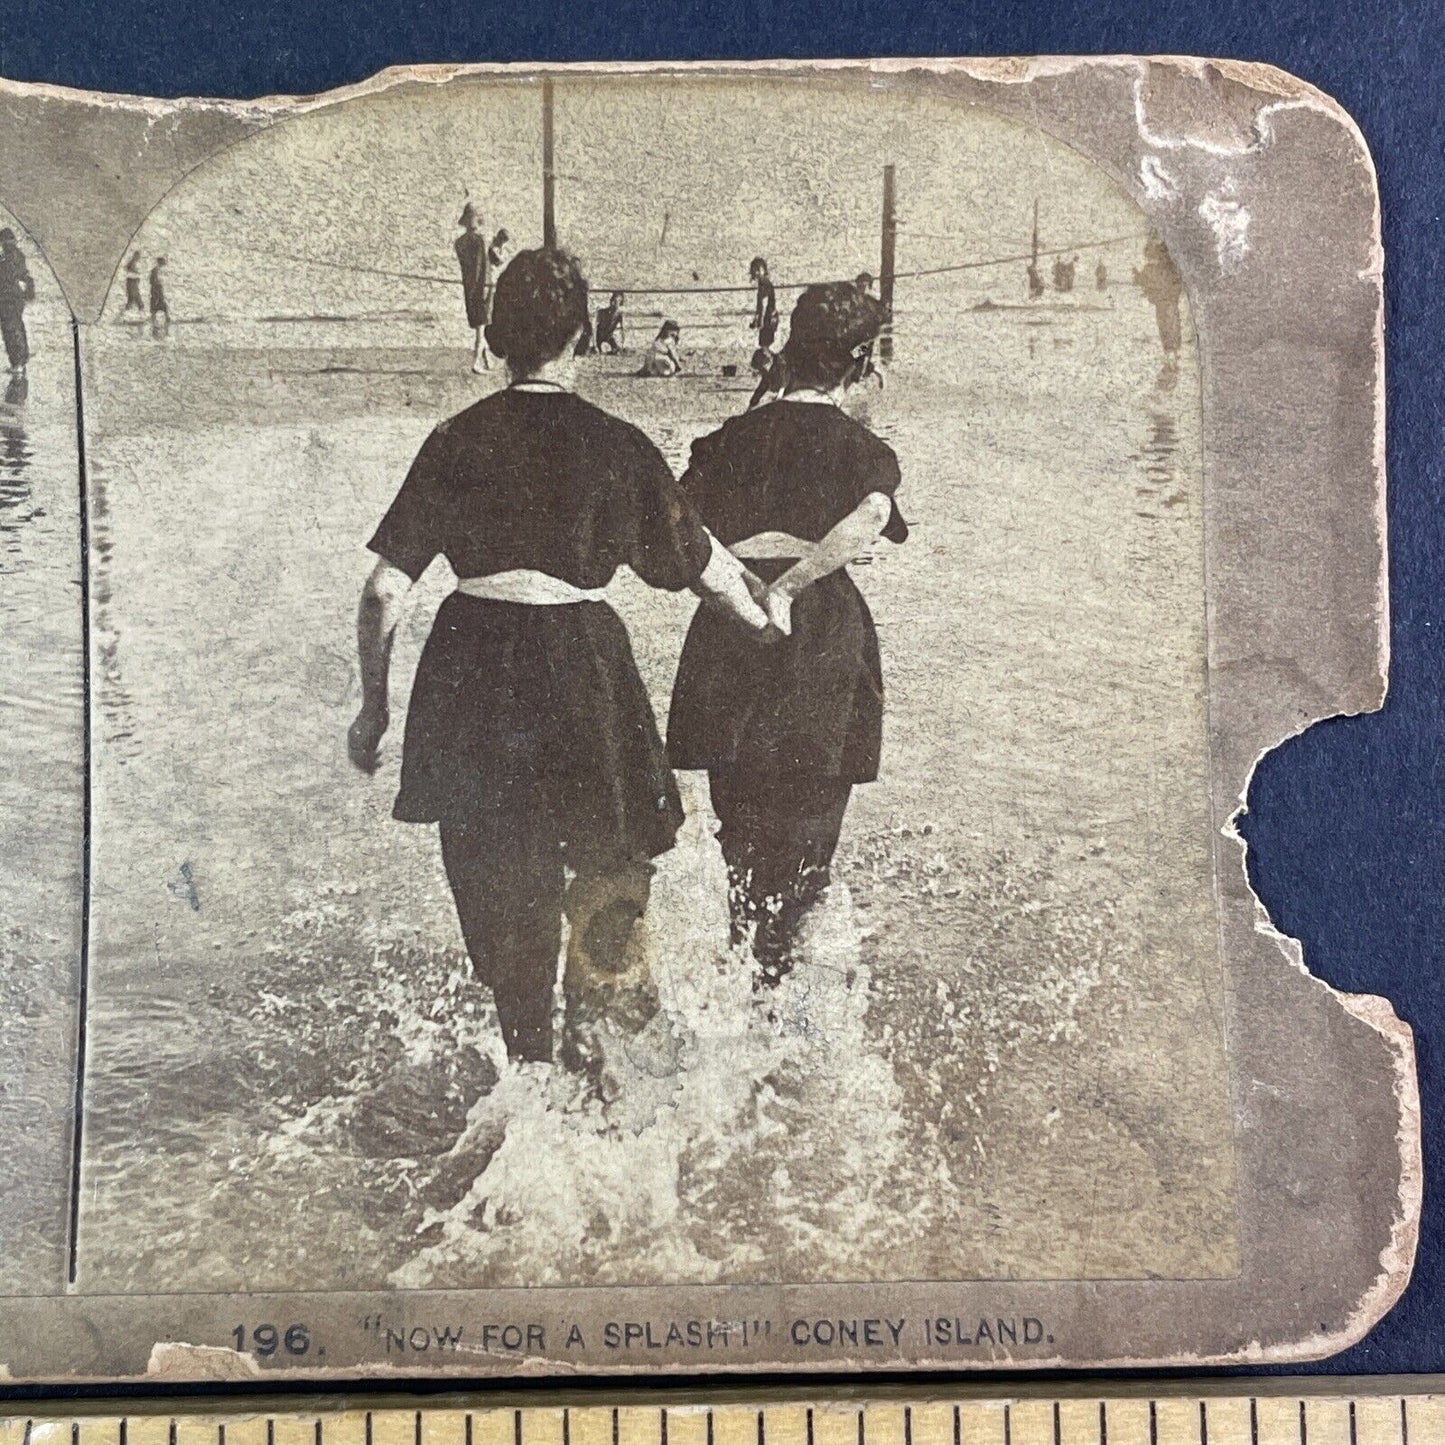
763, 834
639, 681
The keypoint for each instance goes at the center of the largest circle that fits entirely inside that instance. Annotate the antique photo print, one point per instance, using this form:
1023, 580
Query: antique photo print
628, 687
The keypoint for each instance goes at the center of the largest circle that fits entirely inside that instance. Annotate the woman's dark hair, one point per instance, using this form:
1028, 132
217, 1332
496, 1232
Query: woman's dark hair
669, 328
759, 265
539, 303
830, 324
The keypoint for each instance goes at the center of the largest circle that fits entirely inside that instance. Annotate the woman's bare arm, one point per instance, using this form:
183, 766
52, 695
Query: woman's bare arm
842, 545
383, 601
733, 587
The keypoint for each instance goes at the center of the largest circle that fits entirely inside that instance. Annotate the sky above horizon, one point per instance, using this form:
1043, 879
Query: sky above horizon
665, 182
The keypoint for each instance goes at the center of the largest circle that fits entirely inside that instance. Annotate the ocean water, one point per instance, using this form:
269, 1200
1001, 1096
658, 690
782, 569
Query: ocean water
1013, 998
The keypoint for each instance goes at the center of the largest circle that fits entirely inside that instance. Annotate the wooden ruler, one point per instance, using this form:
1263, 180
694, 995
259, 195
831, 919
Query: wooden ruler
1317, 1412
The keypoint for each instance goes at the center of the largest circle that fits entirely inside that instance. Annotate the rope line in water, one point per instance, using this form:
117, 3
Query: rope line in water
1024, 256
640, 290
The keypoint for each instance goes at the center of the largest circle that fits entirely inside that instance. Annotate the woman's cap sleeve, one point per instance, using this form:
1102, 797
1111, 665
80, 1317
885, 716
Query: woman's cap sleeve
886, 478
411, 533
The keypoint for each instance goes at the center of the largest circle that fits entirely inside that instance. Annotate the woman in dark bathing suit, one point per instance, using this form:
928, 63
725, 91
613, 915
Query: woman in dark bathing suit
471, 249
529, 739
796, 489
133, 299
765, 312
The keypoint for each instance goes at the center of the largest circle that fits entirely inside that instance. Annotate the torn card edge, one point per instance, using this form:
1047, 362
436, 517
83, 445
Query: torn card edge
1397, 1258
1260, 76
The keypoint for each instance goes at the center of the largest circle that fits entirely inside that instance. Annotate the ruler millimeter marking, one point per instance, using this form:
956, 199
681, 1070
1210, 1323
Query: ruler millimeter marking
1162, 1420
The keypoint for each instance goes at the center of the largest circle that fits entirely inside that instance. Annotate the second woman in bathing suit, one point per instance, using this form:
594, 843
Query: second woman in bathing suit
786, 729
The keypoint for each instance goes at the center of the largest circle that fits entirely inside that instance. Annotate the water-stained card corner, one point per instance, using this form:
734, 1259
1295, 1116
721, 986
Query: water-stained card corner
660, 661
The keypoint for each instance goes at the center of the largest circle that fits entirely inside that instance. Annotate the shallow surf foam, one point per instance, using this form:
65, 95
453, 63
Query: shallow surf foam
737, 1134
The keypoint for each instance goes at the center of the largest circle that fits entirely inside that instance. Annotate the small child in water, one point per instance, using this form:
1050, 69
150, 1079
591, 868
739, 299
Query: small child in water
664, 358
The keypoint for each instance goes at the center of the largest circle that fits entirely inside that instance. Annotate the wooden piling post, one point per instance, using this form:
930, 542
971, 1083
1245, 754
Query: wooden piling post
887, 262
549, 169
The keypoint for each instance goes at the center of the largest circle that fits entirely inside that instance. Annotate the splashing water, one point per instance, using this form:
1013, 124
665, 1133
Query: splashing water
728, 1112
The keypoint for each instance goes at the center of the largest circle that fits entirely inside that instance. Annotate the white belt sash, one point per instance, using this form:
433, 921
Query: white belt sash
541, 589
525, 584
771, 547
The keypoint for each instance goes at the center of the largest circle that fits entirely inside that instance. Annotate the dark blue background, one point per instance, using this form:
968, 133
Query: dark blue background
1346, 824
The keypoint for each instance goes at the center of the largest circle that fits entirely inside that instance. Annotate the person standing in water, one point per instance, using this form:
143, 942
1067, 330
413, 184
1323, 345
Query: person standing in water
17, 290
1158, 279
765, 312
530, 741
498, 252
797, 490
134, 302
160, 307
864, 282
471, 249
